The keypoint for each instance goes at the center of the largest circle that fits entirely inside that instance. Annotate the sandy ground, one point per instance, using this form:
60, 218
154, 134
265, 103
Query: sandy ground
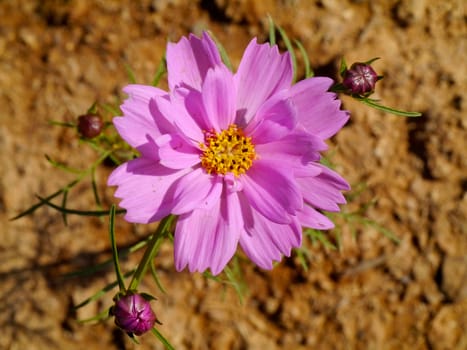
58, 57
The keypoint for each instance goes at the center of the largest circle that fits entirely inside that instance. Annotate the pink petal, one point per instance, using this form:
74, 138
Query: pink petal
318, 111
175, 153
311, 169
144, 187
319, 197
333, 178
262, 72
208, 238
312, 218
149, 150
271, 189
297, 149
174, 109
219, 97
138, 124
323, 191
189, 60
195, 190
267, 241
274, 120
194, 105
247, 211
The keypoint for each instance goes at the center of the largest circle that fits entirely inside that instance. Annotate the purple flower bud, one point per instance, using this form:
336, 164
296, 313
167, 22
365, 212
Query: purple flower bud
360, 79
133, 314
89, 125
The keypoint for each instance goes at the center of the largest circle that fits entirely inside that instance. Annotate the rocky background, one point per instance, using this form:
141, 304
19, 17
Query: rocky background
57, 57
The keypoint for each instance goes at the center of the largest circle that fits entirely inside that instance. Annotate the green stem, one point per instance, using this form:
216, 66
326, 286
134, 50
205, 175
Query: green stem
151, 250
162, 339
118, 271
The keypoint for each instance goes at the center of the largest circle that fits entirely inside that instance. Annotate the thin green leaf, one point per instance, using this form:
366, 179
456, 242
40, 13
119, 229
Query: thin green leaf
62, 166
372, 60
93, 108
318, 236
338, 87
88, 271
147, 296
308, 71
303, 256
133, 338
235, 277
374, 104
388, 233
289, 47
96, 213
156, 278
343, 67
94, 145
101, 292
94, 189
105, 264
103, 315
357, 217
337, 232
115, 160
224, 56
65, 124
161, 70
97, 295
113, 242
210, 276
111, 109
161, 338
44, 201
130, 74
326, 161
64, 199
151, 250
357, 190
272, 31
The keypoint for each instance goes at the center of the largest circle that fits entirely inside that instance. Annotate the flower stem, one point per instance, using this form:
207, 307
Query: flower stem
162, 339
118, 271
151, 250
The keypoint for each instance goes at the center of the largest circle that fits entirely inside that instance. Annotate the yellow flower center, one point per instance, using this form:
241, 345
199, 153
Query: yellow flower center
229, 151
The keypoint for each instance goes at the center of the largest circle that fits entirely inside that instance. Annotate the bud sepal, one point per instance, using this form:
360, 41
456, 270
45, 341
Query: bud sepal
359, 82
133, 313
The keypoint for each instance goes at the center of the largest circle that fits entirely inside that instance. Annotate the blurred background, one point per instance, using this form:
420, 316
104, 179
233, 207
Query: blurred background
57, 57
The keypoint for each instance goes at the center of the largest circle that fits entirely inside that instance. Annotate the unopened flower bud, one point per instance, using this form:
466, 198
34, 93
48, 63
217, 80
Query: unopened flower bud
90, 125
133, 314
360, 79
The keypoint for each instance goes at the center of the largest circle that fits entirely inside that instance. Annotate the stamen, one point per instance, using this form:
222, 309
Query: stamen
229, 151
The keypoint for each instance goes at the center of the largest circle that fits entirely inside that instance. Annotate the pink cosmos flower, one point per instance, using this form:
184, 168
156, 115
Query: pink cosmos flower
234, 155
